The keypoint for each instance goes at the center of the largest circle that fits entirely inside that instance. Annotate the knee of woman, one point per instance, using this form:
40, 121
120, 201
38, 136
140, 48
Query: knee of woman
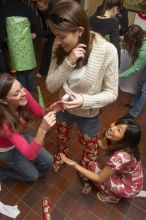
49, 163
34, 176
143, 92
44, 159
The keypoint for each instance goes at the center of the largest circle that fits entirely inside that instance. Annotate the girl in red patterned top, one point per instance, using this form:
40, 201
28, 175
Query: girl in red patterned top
122, 175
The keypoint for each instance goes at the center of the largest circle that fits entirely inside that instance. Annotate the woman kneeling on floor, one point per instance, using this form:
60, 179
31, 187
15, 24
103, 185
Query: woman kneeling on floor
17, 148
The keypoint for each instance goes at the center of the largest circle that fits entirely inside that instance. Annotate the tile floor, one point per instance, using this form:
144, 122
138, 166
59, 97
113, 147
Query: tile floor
64, 188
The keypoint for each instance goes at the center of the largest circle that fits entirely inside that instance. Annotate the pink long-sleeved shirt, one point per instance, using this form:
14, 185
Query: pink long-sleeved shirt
8, 139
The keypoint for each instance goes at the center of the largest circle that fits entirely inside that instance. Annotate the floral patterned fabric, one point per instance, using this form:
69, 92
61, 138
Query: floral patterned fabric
63, 137
89, 144
90, 150
127, 181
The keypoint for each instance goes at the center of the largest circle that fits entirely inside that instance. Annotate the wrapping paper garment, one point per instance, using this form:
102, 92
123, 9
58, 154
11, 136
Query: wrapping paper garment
10, 211
20, 43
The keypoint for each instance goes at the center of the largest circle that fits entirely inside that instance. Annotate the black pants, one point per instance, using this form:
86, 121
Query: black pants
46, 56
3, 66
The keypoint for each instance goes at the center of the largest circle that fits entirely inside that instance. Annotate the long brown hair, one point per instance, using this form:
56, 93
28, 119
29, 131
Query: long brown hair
75, 17
6, 115
133, 40
109, 4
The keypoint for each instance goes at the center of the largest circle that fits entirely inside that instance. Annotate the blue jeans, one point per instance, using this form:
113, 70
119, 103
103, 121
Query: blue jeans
139, 99
87, 125
26, 78
19, 167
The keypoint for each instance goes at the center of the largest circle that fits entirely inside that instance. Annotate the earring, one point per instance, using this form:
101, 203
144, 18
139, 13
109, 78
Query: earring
3, 102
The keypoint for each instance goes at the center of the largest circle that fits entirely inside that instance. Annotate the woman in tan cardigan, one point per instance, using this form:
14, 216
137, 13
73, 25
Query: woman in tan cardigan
84, 67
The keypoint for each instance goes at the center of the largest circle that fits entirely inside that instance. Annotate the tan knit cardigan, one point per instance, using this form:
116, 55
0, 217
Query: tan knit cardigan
99, 85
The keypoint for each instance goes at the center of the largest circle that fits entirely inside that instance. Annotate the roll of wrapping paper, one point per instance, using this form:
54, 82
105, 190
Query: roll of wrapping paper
40, 97
47, 208
20, 43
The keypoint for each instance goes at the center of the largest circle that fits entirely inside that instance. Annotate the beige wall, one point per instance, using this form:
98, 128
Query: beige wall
131, 16
92, 5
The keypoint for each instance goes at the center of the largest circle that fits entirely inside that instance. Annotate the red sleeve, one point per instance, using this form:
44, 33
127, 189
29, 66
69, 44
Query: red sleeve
33, 105
29, 150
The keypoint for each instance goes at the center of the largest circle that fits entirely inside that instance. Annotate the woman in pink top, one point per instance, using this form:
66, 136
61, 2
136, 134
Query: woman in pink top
17, 148
121, 174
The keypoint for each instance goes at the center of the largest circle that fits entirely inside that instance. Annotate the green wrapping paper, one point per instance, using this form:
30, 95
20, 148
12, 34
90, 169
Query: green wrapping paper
20, 43
40, 97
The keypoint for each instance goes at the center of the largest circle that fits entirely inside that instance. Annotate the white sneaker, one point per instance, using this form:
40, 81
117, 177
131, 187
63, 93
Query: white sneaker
141, 194
38, 75
105, 198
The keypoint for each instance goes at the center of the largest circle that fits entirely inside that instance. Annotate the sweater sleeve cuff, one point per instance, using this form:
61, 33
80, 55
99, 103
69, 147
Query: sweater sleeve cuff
87, 102
72, 65
122, 75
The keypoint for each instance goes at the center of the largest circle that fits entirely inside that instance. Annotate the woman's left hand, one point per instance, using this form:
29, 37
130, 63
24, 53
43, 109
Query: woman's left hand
76, 101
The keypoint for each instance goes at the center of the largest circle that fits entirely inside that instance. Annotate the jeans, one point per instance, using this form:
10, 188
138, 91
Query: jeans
20, 168
26, 78
139, 99
87, 125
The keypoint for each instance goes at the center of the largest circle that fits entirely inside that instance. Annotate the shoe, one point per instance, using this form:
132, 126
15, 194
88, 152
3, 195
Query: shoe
128, 116
104, 198
141, 194
38, 75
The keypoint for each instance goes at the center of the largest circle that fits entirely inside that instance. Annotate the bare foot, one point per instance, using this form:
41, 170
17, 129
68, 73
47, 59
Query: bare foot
87, 189
57, 166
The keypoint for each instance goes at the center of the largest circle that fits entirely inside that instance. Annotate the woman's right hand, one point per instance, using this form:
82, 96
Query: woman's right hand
67, 160
48, 121
76, 53
57, 106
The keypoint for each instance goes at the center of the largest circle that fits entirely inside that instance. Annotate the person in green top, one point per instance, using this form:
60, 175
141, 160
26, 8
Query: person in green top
135, 44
